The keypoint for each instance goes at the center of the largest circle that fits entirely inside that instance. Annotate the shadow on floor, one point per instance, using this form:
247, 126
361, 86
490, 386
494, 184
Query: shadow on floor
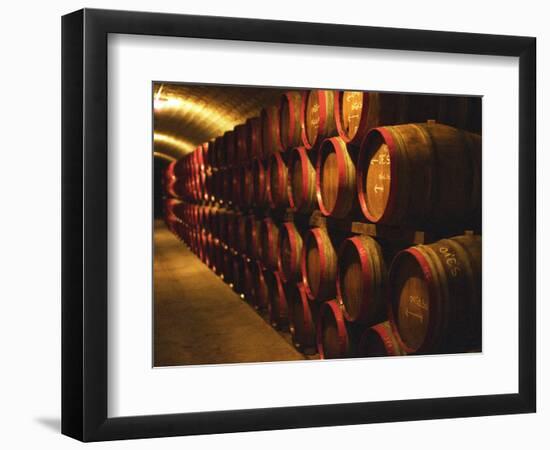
53, 423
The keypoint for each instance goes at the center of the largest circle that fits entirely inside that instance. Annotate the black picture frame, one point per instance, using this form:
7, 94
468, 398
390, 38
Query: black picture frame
84, 224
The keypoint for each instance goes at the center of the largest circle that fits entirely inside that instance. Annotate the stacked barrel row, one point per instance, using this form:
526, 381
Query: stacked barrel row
409, 161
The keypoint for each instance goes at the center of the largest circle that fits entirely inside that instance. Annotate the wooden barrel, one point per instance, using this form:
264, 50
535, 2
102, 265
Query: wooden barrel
238, 273
259, 182
230, 232
229, 148
435, 296
290, 252
379, 340
271, 142
175, 207
249, 282
227, 182
336, 183
302, 187
277, 182
253, 233
270, 243
242, 237
290, 126
218, 257
235, 172
261, 288
361, 281
277, 306
241, 148
333, 337
227, 271
319, 265
246, 187
209, 186
317, 117
254, 137
302, 316
420, 174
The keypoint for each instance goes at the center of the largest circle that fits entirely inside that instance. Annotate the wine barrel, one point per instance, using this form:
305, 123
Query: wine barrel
435, 296
290, 126
227, 271
302, 192
420, 174
270, 243
361, 280
181, 167
229, 158
254, 137
241, 147
277, 306
261, 288
379, 340
249, 281
271, 142
242, 237
290, 252
302, 318
253, 233
317, 117
218, 257
277, 182
319, 265
230, 232
216, 185
175, 207
209, 186
333, 336
246, 190
336, 185
235, 172
227, 186
259, 182
169, 171
238, 273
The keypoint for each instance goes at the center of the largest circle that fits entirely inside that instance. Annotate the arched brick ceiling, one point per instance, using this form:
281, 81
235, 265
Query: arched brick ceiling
186, 115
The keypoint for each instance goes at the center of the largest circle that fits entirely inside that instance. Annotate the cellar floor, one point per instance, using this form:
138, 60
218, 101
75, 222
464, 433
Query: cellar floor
199, 319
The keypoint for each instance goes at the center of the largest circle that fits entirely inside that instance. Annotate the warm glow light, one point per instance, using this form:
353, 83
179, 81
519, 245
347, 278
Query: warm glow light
179, 144
164, 156
183, 106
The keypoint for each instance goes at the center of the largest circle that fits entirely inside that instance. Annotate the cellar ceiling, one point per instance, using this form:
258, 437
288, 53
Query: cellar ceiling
186, 115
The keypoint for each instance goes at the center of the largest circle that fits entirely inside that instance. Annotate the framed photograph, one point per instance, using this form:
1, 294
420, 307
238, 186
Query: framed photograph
274, 225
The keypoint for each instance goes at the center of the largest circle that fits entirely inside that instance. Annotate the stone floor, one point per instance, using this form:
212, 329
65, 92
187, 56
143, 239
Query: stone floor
201, 320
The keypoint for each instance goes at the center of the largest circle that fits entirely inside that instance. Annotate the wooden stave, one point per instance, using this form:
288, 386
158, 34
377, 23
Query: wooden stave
290, 105
289, 233
271, 142
327, 265
303, 332
277, 306
254, 138
277, 195
307, 201
270, 243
